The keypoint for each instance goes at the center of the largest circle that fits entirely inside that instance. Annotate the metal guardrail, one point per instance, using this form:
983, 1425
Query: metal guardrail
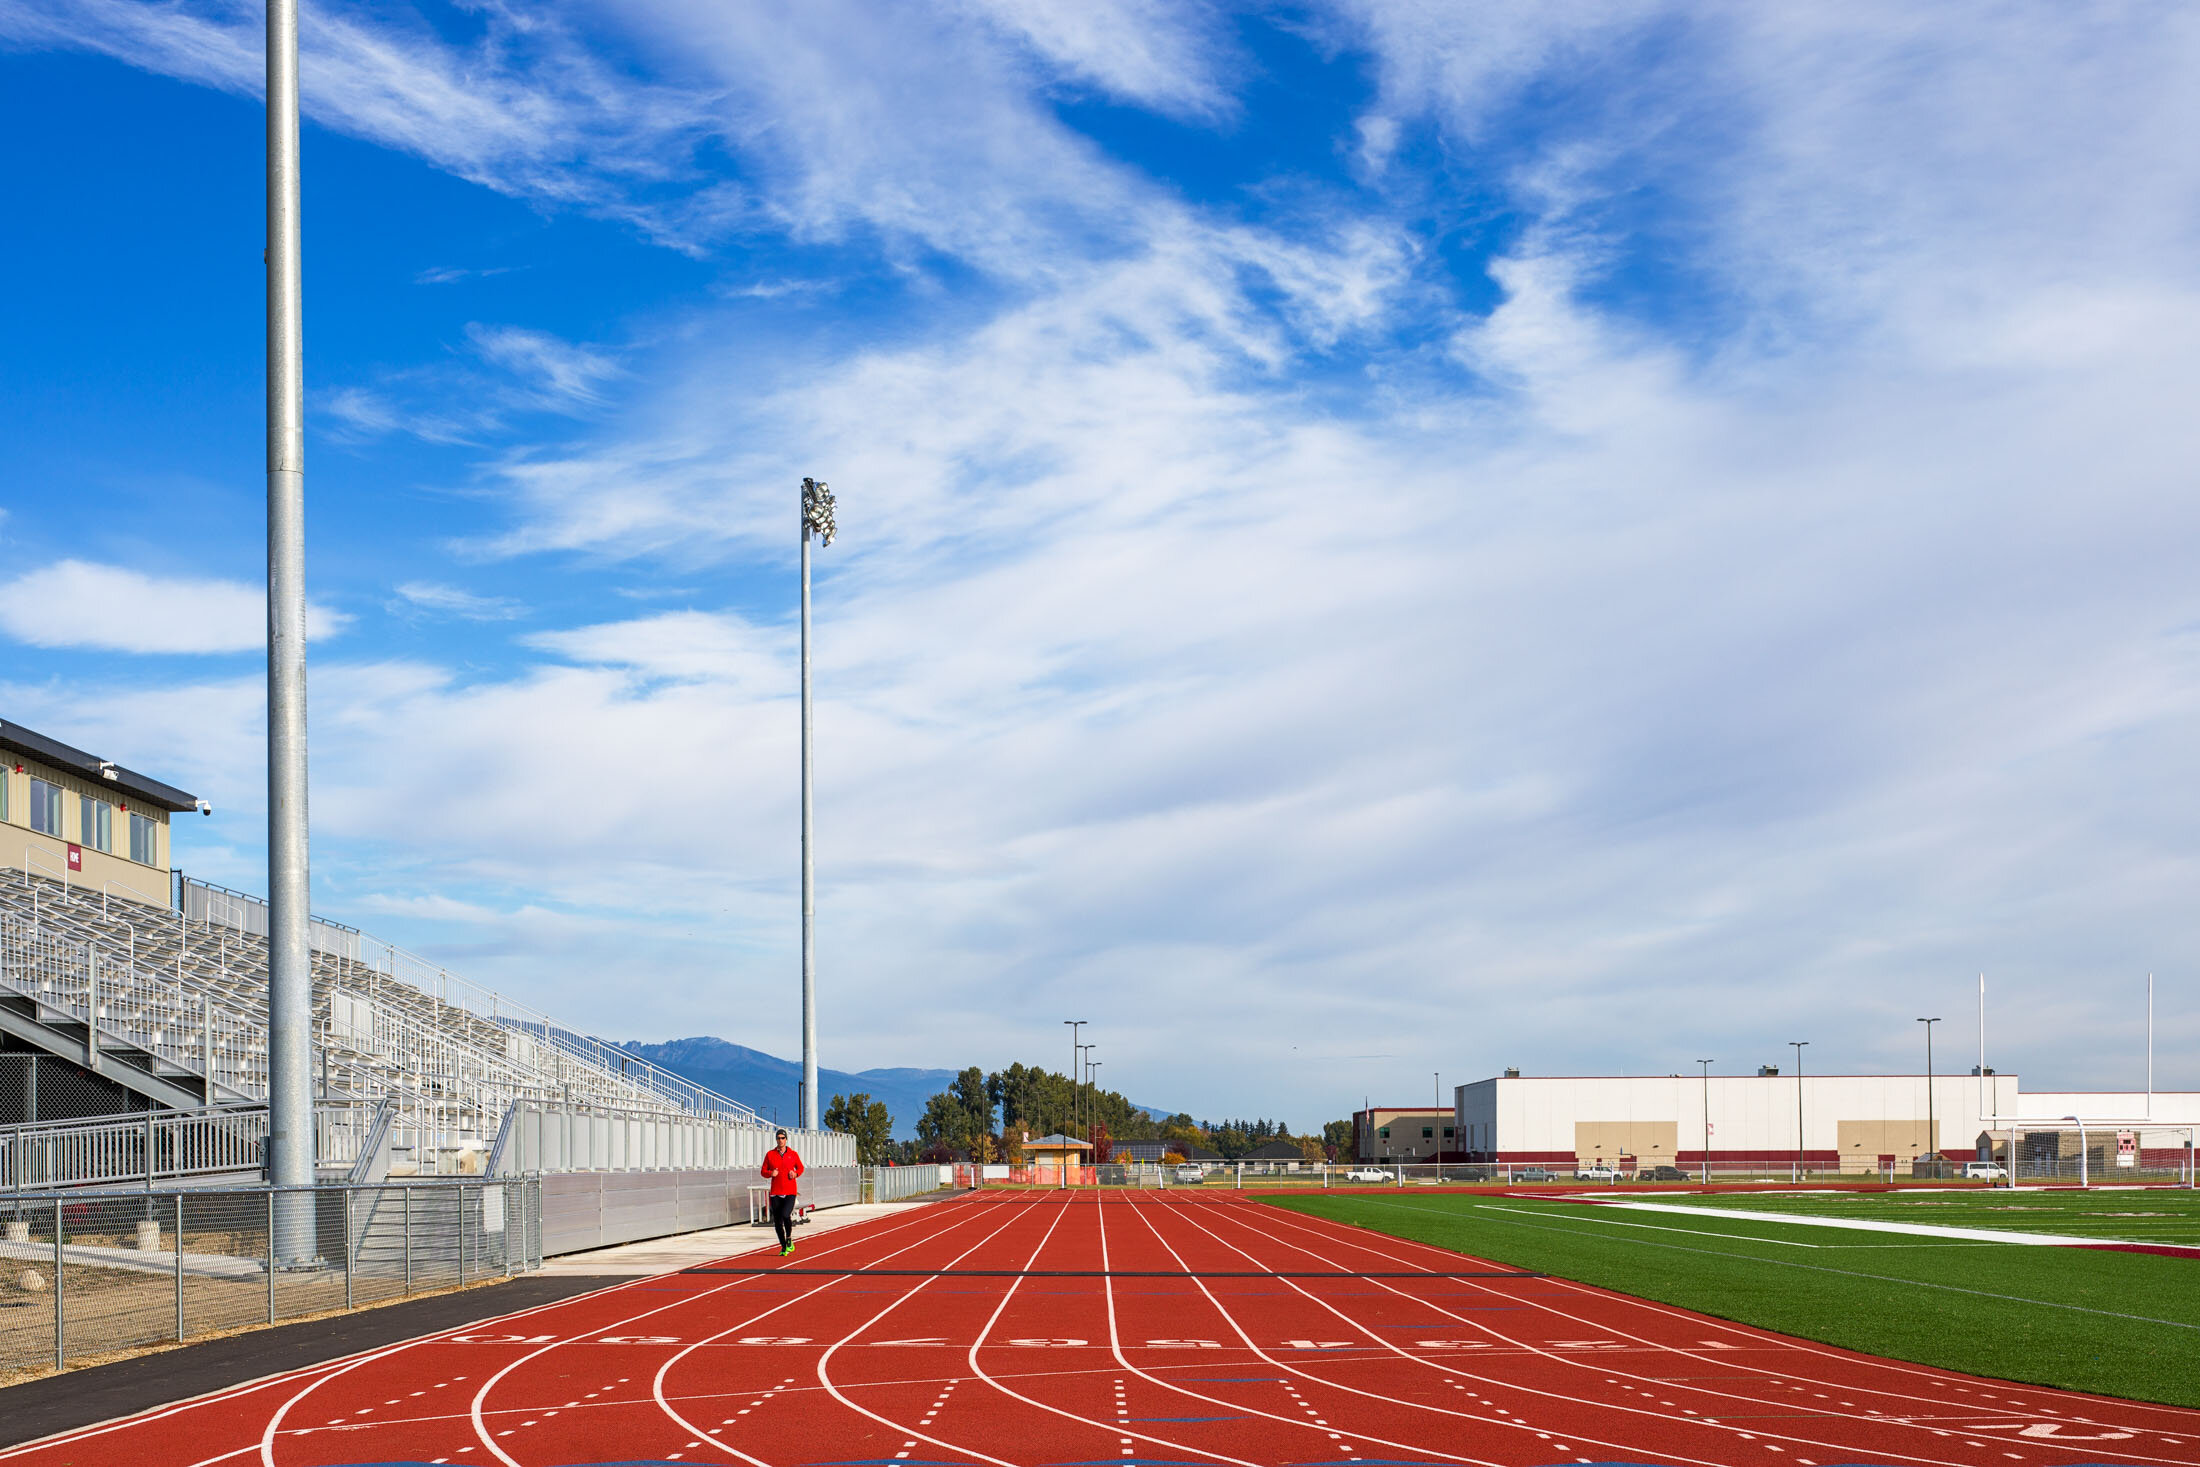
540, 1136
897, 1183
150, 1146
86, 1274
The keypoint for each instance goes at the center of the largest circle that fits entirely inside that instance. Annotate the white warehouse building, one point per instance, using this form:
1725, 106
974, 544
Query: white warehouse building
1857, 1123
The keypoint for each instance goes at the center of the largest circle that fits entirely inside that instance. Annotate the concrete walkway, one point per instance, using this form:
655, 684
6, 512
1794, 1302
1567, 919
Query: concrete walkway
1861, 1225
686, 1250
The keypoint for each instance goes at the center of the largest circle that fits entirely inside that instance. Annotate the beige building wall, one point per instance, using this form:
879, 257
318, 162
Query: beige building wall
1646, 1143
1863, 1143
112, 870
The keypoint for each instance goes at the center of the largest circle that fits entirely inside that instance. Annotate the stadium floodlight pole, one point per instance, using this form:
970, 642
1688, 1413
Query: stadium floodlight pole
1800, 1145
1932, 1123
1069, 1124
289, 897
817, 519
1706, 1120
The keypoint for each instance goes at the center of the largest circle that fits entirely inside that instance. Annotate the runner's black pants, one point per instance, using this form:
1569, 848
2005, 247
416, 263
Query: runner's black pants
783, 1219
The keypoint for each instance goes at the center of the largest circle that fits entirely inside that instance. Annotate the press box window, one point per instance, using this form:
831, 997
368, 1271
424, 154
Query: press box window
144, 840
1426, 1133
45, 807
98, 827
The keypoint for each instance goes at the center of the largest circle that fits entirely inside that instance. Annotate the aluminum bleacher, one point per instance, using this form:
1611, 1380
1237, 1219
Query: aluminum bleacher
171, 1006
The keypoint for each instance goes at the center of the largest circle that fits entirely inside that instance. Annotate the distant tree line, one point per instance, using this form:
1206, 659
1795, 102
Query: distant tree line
985, 1118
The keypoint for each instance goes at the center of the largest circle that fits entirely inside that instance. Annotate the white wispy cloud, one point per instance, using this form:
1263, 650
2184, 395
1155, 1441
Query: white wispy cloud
440, 600
76, 603
452, 274
555, 372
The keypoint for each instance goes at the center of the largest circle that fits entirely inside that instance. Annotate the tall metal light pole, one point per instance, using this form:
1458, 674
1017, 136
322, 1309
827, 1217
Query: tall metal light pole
1083, 1129
817, 519
289, 897
1069, 1125
1706, 1120
1932, 1124
1801, 1146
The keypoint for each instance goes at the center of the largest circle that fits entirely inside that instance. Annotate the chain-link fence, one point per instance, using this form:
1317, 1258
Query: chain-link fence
87, 1274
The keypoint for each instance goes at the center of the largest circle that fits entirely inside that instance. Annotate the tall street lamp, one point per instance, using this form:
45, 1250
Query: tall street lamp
1084, 1100
817, 519
1706, 1120
1932, 1125
1069, 1121
1800, 1145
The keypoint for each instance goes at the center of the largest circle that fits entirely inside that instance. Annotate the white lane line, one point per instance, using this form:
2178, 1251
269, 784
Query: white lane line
1127, 1434
1227, 1318
824, 1361
481, 1430
1874, 1225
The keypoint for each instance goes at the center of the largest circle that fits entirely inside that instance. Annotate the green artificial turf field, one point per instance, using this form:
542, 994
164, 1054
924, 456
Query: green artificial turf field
2121, 1324
2134, 1216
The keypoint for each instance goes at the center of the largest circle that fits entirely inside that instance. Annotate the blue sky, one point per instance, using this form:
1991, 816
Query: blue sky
1378, 538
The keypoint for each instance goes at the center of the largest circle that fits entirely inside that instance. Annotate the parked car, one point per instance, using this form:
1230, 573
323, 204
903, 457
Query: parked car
1368, 1174
1531, 1174
1597, 1174
1190, 1173
1661, 1174
1983, 1171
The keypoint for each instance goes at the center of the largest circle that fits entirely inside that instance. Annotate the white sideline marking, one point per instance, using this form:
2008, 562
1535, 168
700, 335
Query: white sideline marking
1867, 1225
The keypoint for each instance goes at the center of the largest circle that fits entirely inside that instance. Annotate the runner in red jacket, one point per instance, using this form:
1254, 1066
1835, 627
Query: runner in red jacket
782, 1164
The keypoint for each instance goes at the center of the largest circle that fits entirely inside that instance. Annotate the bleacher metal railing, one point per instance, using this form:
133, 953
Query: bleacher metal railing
159, 1146
115, 1271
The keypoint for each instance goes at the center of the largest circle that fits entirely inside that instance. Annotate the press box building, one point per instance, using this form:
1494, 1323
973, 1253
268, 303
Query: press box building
72, 816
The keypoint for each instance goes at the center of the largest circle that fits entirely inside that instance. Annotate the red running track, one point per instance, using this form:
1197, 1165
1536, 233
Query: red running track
1065, 1329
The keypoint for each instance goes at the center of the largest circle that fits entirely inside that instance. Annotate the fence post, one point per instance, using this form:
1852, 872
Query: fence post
407, 1194
1401, 1170
347, 1248
271, 1255
1241, 1176
179, 1267
60, 1316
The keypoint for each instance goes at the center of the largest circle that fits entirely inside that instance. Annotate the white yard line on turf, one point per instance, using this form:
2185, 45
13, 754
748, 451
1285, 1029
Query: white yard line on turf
1867, 1225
